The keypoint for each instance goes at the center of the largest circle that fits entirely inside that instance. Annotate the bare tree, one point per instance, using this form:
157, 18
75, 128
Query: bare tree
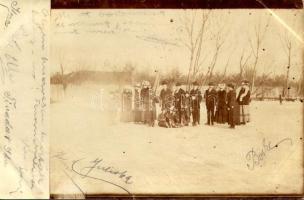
255, 44
287, 46
243, 64
219, 41
223, 76
62, 72
195, 40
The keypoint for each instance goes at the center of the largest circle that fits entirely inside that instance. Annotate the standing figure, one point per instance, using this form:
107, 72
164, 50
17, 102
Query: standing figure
221, 107
211, 98
137, 104
149, 104
196, 98
126, 114
187, 108
179, 98
243, 99
165, 96
231, 104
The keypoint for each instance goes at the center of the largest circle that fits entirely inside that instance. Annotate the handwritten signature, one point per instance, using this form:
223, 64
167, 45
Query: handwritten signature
255, 158
12, 10
96, 165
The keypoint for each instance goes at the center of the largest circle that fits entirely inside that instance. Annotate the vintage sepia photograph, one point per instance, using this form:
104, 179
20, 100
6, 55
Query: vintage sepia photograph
176, 102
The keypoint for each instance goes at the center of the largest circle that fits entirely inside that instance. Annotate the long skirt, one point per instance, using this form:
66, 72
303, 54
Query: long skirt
244, 114
137, 115
149, 117
221, 114
236, 114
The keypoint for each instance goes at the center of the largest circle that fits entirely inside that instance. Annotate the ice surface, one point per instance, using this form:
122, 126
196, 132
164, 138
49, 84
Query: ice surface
200, 159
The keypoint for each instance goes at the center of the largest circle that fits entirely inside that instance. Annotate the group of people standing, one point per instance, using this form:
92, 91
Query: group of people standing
227, 104
179, 107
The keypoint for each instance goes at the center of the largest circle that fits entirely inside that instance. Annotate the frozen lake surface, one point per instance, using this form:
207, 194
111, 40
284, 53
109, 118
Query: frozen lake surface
137, 159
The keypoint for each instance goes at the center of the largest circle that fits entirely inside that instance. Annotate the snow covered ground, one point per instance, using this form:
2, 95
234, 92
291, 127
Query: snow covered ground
138, 159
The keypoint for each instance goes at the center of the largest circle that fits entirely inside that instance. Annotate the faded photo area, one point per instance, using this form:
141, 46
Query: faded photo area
176, 102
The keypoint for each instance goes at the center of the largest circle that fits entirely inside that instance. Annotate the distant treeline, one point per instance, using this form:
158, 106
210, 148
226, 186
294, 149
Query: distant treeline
128, 77
100, 77
260, 80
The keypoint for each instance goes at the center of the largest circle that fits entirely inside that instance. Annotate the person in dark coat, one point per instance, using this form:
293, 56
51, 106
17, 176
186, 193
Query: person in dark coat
187, 108
221, 107
145, 96
165, 96
179, 101
196, 98
231, 103
211, 98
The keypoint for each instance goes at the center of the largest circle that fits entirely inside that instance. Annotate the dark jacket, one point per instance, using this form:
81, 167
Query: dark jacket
211, 98
179, 97
233, 108
165, 96
221, 98
231, 99
196, 98
145, 96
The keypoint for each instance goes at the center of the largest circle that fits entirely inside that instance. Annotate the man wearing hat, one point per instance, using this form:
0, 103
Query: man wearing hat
231, 105
165, 95
211, 98
179, 101
196, 98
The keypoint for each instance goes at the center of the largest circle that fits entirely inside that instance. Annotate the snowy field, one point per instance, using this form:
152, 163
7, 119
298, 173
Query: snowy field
138, 159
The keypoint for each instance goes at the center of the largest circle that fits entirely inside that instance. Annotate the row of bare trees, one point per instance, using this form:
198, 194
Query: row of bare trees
195, 43
202, 61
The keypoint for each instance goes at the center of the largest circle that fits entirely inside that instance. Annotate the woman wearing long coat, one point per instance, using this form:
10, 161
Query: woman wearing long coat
221, 108
243, 99
149, 104
232, 106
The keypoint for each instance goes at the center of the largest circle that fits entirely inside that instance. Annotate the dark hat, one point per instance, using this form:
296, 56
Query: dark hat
164, 82
178, 84
195, 83
231, 85
211, 84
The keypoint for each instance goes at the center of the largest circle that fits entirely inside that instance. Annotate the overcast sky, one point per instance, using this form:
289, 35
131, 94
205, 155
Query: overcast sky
154, 39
